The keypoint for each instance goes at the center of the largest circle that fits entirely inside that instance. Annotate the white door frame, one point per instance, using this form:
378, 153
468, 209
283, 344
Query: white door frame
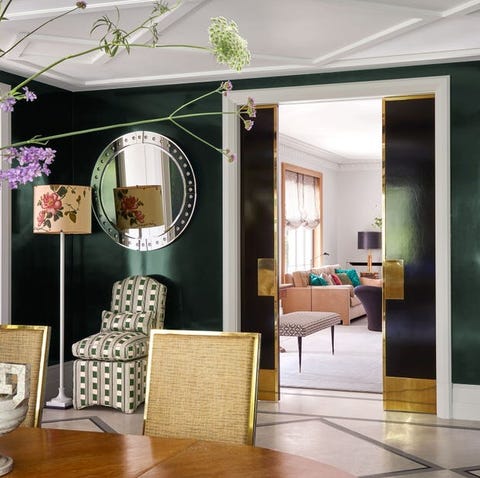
440, 86
5, 223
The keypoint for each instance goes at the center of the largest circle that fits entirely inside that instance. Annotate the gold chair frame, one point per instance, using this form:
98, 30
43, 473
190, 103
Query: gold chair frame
202, 385
28, 344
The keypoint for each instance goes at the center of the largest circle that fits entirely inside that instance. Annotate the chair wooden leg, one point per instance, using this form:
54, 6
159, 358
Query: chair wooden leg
333, 339
299, 353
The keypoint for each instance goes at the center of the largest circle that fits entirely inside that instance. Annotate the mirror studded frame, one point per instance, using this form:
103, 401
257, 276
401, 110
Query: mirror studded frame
144, 158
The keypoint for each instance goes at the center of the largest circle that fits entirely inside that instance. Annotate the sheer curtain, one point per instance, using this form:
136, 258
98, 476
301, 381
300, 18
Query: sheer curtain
302, 216
301, 201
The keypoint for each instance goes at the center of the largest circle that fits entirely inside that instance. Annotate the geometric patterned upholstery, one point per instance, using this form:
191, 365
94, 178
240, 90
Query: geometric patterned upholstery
111, 365
119, 385
301, 324
121, 346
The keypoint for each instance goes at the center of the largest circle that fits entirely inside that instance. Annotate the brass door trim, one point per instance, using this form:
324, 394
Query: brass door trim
410, 394
268, 385
394, 279
266, 283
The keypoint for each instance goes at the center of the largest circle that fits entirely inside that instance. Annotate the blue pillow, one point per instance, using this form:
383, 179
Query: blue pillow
317, 280
352, 274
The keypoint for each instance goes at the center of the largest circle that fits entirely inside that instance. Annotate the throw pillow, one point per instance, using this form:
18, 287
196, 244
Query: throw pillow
317, 280
335, 279
127, 321
352, 274
344, 279
327, 278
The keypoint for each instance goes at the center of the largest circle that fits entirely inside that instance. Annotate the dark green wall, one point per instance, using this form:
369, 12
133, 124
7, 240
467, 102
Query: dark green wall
191, 266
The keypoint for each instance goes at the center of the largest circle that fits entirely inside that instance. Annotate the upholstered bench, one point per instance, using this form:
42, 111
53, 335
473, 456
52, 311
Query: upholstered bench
303, 323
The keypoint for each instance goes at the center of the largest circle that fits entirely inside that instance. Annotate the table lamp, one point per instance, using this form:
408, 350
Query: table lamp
61, 209
369, 240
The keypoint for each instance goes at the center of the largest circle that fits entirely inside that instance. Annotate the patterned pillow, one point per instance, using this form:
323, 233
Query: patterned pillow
127, 322
112, 346
344, 278
352, 274
327, 277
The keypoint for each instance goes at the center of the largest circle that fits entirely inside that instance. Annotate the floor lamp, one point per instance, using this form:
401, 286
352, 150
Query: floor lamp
60, 209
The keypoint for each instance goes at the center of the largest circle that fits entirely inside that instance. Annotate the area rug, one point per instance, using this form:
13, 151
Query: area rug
355, 366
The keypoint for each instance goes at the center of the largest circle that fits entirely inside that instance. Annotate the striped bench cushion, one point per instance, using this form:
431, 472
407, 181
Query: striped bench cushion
301, 324
127, 322
119, 346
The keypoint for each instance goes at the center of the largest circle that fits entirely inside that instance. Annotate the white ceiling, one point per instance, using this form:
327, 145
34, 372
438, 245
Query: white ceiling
284, 37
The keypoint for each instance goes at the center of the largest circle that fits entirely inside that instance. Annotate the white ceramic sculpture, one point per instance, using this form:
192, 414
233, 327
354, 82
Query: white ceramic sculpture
14, 393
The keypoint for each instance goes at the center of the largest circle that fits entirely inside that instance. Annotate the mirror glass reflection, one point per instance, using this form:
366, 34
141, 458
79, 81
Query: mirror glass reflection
137, 175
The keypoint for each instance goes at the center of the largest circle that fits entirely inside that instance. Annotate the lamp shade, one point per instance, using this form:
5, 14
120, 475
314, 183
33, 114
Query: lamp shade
138, 206
369, 240
62, 208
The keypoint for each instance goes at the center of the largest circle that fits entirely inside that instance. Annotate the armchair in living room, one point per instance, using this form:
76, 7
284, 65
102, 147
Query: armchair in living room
110, 366
371, 298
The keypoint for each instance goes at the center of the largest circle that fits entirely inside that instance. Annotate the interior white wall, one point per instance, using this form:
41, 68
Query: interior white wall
352, 198
298, 157
359, 201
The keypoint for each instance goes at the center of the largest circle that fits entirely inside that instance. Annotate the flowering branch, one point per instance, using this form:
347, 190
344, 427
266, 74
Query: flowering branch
33, 161
225, 44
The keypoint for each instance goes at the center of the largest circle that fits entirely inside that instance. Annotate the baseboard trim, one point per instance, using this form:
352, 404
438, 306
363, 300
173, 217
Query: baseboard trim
465, 402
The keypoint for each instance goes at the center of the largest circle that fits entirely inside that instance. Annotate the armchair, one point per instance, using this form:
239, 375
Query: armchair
371, 298
110, 366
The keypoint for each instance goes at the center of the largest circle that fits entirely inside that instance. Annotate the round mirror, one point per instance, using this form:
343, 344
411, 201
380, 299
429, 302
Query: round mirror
143, 190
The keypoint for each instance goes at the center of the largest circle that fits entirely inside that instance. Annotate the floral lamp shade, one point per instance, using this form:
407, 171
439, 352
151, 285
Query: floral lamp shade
62, 208
137, 207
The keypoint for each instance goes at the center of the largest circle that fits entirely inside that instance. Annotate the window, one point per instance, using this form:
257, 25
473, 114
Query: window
301, 218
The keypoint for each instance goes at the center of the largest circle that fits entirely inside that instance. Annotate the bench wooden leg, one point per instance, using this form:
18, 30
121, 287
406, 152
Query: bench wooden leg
299, 354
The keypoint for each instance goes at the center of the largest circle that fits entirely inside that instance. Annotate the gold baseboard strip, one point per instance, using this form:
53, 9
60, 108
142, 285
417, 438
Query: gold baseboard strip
410, 395
268, 385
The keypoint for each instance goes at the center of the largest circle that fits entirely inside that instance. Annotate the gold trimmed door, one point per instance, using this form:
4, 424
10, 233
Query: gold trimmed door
258, 230
409, 253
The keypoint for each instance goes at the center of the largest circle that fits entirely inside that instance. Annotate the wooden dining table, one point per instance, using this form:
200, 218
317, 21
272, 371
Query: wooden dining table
53, 453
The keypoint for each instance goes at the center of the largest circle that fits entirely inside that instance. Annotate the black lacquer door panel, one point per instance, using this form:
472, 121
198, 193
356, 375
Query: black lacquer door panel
258, 229
409, 175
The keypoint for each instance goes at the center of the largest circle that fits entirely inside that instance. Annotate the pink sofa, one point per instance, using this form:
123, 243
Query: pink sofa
330, 298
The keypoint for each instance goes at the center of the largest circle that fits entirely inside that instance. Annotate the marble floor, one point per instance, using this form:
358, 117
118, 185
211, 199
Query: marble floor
347, 430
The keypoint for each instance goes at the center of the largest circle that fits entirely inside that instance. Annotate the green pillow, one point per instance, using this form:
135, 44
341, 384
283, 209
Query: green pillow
344, 279
317, 280
352, 275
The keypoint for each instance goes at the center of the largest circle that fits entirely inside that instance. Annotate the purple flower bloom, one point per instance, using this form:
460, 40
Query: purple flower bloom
6, 104
248, 124
29, 95
231, 157
32, 162
226, 86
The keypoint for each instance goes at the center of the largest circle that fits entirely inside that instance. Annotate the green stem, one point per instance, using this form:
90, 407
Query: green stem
91, 50
195, 136
195, 100
53, 65
2, 15
46, 139
35, 29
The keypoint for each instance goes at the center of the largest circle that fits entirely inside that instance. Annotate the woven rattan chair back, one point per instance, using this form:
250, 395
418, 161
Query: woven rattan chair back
202, 385
28, 344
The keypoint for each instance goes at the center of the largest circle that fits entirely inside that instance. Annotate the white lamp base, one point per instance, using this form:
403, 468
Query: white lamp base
60, 401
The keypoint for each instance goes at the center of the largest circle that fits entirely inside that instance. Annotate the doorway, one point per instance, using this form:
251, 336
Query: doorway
436, 85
